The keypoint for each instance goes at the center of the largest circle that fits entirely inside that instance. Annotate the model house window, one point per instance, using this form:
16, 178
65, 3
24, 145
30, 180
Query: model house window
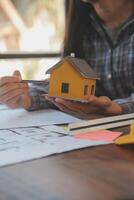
65, 88
92, 90
85, 90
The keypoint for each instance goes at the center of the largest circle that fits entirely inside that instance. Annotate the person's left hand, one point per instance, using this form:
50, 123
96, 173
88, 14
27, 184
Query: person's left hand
96, 105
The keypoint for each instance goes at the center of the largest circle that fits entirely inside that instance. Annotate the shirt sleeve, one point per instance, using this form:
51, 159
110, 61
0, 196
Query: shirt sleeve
127, 104
36, 92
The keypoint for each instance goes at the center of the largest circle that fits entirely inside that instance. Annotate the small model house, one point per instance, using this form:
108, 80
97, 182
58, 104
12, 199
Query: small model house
73, 79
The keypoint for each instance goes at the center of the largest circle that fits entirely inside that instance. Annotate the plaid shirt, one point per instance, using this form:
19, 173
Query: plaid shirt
112, 60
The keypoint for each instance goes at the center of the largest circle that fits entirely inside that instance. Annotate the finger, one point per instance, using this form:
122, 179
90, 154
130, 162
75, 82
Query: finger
17, 73
74, 106
11, 95
25, 101
102, 101
9, 79
64, 108
81, 108
21, 101
51, 99
13, 103
89, 110
12, 86
16, 102
113, 109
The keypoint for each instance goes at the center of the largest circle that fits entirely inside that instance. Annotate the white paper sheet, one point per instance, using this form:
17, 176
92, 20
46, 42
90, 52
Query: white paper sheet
23, 144
21, 118
3, 107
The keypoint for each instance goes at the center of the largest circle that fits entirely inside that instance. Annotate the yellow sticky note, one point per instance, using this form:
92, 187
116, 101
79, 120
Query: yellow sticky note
126, 139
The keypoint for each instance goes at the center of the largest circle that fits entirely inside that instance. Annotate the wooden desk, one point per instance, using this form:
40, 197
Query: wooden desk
98, 173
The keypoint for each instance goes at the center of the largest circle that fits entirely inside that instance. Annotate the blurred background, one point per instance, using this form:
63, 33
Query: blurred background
31, 36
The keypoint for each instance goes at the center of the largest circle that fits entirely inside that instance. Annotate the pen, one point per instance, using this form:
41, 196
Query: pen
33, 81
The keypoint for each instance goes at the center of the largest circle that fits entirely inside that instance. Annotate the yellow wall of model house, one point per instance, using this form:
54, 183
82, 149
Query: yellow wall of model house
65, 73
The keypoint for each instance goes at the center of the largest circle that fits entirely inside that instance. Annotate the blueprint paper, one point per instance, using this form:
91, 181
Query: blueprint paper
27, 136
23, 144
22, 118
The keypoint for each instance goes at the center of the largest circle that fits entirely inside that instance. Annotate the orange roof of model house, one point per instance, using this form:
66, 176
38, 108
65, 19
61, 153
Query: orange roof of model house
72, 78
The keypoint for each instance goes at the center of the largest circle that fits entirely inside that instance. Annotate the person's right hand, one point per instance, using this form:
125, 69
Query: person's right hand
13, 93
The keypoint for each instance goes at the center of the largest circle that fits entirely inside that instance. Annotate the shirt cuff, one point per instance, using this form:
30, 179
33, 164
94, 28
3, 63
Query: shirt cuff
39, 102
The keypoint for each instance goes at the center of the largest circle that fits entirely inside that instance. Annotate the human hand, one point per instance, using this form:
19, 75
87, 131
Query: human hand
96, 105
13, 93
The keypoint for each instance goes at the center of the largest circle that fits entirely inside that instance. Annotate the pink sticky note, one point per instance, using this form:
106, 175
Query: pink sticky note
101, 135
